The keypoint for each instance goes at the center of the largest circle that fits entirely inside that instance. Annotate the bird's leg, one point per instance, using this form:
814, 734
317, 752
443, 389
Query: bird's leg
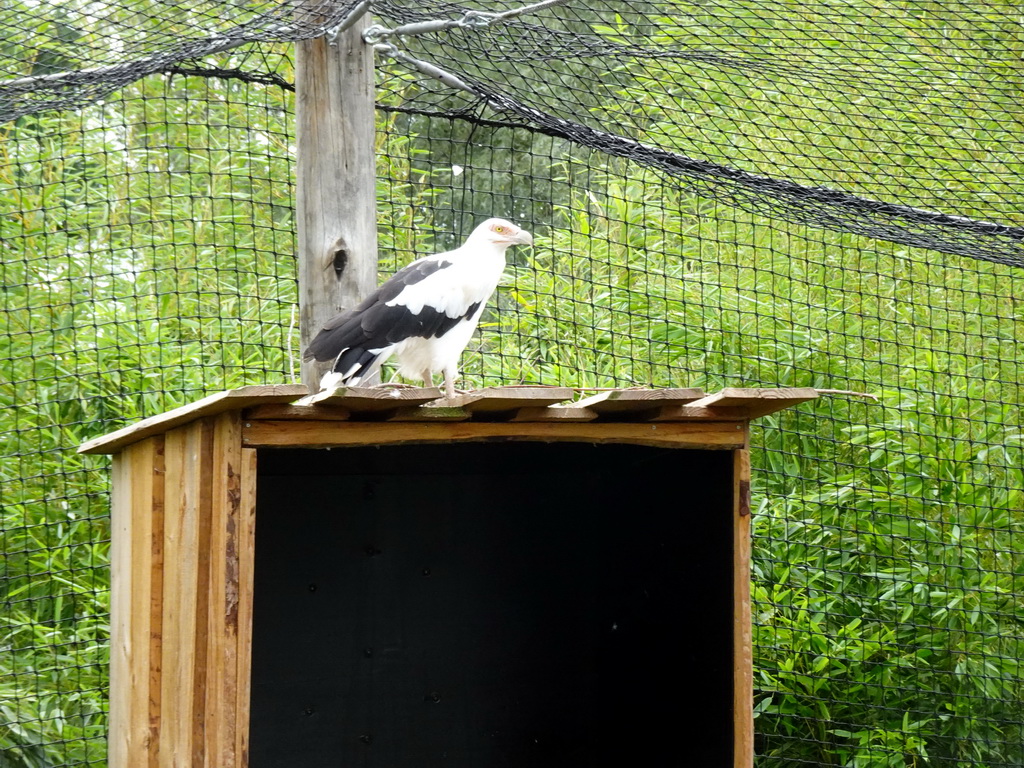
450, 375
428, 377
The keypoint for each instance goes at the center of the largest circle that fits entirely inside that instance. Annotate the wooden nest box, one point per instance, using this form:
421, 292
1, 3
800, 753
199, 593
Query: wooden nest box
387, 579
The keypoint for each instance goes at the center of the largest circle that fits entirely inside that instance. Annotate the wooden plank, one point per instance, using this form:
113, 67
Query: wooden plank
556, 413
371, 399
182, 448
203, 469
336, 178
142, 461
222, 682
313, 434
743, 654
691, 412
156, 598
207, 406
756, 402
135, 696
174, 461
246, 580
431, 412
121, 658
622, 401
322, 412
501, 399
669, 404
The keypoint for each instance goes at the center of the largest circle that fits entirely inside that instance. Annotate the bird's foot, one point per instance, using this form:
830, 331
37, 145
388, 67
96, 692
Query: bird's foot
450, 394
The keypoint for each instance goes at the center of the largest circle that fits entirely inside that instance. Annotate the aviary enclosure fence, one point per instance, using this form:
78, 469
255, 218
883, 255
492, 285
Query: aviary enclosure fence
724, 193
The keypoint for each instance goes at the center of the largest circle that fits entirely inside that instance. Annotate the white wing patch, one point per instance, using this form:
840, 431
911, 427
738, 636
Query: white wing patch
452, 290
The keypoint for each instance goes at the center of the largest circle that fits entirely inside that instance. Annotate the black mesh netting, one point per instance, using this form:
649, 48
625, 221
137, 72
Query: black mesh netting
733, 192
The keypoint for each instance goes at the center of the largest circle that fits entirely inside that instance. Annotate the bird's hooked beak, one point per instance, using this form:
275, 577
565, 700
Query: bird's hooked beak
523, 238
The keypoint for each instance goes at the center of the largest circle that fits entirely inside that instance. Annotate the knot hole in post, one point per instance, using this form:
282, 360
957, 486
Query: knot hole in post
338, 257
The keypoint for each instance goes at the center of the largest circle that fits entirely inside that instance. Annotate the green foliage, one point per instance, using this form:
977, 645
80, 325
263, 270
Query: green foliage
142, 268
888, 599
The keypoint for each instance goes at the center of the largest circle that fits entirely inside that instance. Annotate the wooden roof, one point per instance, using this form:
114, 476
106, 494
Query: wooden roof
505, 404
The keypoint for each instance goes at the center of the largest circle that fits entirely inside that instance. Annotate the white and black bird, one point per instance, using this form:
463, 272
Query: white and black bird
424, 315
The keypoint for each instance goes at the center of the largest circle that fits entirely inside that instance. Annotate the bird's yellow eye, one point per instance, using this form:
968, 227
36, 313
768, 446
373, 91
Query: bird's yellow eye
499, 228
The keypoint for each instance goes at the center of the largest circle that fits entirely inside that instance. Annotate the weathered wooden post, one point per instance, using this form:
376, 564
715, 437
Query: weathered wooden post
336, 178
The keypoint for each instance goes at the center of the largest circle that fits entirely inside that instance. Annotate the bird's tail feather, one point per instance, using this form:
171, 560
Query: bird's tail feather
351, 368
355, 363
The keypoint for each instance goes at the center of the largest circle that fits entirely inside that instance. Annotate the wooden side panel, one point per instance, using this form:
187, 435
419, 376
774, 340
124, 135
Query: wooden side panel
154, 537
743, 672
223, 639
136, 587
202, 473
120, 611
318, 434
246, 574
182, 452
183, 522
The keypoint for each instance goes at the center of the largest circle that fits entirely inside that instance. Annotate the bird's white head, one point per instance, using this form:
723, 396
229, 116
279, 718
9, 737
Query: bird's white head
500, 232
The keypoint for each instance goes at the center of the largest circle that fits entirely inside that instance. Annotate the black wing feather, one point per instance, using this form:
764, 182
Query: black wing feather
374, 325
